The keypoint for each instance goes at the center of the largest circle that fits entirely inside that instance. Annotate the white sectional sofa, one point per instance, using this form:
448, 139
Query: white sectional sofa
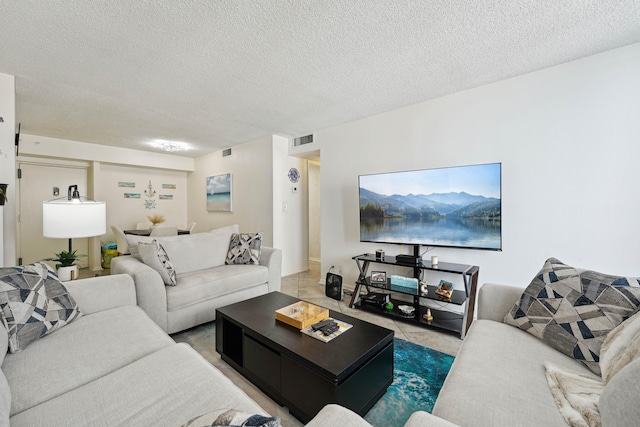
203, 281
112, 366
498, 378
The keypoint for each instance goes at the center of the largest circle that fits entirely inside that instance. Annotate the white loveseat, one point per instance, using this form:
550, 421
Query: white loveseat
498, 378
112, 366
203, 281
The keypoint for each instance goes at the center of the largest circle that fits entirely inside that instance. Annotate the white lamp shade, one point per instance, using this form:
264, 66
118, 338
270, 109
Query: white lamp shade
67, 219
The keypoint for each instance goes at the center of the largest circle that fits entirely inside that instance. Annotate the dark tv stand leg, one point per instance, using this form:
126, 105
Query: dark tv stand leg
362, 279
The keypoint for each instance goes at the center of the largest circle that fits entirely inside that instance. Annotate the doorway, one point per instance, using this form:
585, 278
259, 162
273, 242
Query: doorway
37, 183
313, 172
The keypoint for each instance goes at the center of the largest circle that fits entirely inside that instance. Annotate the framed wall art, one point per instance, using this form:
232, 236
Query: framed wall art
219, 193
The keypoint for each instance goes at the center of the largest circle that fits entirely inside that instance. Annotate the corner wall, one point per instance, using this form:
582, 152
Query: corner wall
567, 138
8, 169
260, 187
252, 206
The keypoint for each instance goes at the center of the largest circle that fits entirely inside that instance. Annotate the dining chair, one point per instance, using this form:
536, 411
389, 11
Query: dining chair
143, 225
121, 240
164, 230
191, 226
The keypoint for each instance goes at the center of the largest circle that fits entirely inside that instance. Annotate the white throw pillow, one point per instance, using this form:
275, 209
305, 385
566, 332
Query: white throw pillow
132, 242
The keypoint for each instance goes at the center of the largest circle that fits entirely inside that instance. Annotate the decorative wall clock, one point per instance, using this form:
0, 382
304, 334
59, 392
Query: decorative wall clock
294, 175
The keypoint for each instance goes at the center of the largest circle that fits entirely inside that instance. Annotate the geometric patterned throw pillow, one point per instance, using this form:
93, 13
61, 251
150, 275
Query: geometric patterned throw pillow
33, 303
244, 248
154, 255
573, 310
232, 417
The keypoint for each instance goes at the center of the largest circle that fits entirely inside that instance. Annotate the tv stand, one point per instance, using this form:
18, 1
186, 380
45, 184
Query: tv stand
442, 319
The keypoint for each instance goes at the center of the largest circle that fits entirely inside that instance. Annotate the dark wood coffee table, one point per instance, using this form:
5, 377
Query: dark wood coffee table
301, 372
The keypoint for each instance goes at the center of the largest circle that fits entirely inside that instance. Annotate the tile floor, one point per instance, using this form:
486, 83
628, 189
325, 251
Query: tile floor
306, 286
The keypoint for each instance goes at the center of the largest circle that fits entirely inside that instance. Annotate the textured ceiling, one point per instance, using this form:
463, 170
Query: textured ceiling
217, 73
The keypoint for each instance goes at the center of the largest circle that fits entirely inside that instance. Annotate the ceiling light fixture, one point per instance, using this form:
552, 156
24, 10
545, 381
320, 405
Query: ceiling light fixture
170, 146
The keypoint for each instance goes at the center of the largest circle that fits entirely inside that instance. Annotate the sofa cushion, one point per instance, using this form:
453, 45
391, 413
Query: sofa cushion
87, 349
232, 417
5, 400
505, 364
198, 251
573, 310
33, 303
619, 400
154, 255
244, 248
165, 388
203, 285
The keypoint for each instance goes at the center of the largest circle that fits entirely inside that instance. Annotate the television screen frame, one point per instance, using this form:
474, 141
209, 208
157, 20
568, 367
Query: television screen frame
456, 204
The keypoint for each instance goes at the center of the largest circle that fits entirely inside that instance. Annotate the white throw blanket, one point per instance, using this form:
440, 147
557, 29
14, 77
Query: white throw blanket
576, 394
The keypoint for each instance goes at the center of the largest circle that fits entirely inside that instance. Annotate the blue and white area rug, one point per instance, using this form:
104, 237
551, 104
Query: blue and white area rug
417, 379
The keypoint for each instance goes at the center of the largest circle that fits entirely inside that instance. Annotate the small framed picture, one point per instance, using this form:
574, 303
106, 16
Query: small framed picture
379, 277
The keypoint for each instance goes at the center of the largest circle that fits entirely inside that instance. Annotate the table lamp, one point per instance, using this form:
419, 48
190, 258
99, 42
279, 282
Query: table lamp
73, 217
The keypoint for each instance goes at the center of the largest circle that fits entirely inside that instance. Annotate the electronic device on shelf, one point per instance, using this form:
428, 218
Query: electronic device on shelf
375, 298
408, 259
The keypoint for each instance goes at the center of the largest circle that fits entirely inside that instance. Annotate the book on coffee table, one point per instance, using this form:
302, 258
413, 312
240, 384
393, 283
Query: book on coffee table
344, 326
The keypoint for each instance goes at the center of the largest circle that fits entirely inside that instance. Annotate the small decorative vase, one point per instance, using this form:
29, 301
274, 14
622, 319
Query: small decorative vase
68, 273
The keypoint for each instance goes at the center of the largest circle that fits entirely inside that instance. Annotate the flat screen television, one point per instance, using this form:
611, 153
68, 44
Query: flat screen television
459, 207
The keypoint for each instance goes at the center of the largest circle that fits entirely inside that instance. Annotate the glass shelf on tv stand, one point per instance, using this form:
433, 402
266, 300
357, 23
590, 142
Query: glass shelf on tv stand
442, 319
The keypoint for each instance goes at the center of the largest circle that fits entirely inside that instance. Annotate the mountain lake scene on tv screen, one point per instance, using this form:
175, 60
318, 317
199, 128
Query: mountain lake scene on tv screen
459, 207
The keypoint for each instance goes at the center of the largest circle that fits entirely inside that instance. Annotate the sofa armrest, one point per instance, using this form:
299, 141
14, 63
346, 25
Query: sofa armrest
150, 289
421, 419
336, 415
102, 293
272, 259
494, 301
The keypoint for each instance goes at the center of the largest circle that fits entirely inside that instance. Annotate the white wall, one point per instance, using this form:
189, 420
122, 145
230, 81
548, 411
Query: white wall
251, 166
7, 168
568, 139
290, 224
126, 213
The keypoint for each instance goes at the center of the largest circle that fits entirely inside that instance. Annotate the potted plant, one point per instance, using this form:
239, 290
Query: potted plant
3, 193
67, 270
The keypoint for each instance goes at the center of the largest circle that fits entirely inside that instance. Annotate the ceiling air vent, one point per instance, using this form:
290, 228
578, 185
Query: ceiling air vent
226, 153
308, 139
